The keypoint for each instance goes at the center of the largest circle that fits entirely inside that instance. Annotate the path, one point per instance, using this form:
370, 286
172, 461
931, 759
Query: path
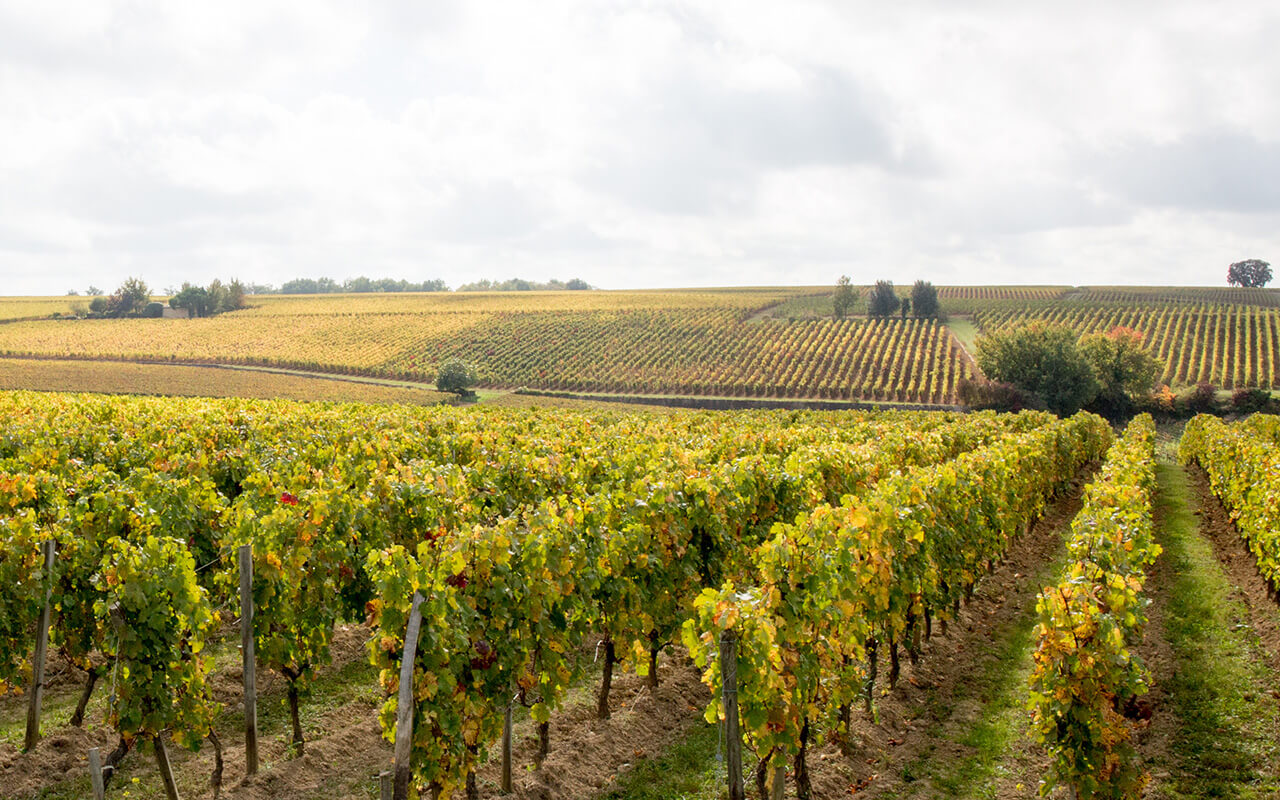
1216, 727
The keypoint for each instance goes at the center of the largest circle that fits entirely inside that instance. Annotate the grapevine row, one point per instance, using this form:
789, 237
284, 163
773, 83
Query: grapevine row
1243, 465
824, 592
1085, 676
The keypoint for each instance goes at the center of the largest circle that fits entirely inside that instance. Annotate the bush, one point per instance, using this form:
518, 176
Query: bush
1247, 401
153, 310
456, 376
1203, 399
1043, 360
982, 395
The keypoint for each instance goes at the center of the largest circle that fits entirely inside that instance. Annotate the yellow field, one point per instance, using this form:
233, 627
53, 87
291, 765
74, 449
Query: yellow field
115, 377
695, 342
38, 307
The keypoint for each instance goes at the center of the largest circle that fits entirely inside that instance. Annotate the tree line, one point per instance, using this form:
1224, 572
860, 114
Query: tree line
883, 300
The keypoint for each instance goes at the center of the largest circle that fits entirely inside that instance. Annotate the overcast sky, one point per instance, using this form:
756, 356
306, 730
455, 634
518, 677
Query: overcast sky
637, 144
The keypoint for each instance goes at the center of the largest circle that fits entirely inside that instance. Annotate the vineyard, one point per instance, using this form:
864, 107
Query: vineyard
551, 567
516, 537
647, 343
1228, 346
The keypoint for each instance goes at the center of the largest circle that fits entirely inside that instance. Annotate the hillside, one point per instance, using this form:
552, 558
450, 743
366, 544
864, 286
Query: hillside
767, 342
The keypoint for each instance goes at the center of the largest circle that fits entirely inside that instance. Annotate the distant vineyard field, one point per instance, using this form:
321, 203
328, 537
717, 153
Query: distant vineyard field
1269, 298
765, 342
1228, 346
697, 342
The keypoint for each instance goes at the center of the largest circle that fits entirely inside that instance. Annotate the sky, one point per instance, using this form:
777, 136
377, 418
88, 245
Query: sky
637, 144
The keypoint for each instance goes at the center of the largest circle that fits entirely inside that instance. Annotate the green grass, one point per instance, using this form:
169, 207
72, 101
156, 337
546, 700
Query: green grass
1227, 740
688, 770
965, 331
1001, 688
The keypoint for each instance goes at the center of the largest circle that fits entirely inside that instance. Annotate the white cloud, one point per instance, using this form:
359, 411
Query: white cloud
636, 143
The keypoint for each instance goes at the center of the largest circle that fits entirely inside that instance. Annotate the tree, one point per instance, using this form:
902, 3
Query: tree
844, 297
456, 376
235, 295
883, 300
93, 291
1251, 272
1122, 365
905, 308
924, 300
193, 298
1043, 360
132, 296
577, 284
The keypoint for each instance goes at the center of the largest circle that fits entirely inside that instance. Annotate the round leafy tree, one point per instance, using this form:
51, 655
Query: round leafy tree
456, 376
1252, 272
1041, 359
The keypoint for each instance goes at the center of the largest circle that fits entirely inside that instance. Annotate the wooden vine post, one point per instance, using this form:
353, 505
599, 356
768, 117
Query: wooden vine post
42, 649
385, 788
404, 703
95, 774
166, 769
729, 692
250, 661
506, 751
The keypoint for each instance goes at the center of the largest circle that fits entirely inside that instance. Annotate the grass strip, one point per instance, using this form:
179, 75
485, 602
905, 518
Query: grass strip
1227, 741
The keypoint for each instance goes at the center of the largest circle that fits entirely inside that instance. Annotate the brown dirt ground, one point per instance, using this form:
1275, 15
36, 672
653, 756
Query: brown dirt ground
1154, 737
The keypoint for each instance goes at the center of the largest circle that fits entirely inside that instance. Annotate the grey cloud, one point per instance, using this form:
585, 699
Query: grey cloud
1222, 170
692, 147
487, 212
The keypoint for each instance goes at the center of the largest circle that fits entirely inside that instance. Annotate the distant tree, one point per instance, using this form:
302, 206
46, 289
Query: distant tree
456, 376
194, 299
360, 284
93, 291
924, 300
883, 300
905, 308
1251, 272
577, 284
72, 293
219, 297
1043, 360
300, 286
235, 295
1125, 370
130, 298
844, 297
98, 306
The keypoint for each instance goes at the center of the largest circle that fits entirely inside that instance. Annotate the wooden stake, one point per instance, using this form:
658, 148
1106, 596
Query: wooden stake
729, 689
42, 648
506, 751
384, 786
249, 660
166, 771
404, 704
95, 773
